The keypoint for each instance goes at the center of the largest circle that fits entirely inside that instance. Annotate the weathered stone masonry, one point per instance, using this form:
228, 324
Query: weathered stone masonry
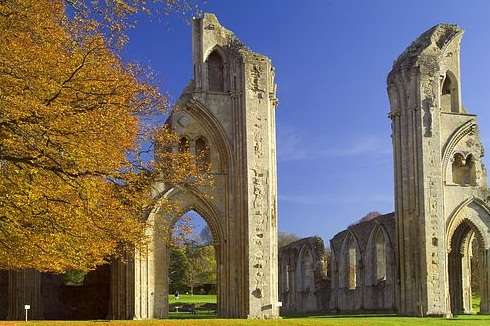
229, 108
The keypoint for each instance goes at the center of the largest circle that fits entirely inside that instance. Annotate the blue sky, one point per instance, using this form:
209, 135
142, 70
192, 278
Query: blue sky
332, 59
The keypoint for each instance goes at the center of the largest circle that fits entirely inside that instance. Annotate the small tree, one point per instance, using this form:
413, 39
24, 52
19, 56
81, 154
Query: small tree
285, 238
202, 266
178, 269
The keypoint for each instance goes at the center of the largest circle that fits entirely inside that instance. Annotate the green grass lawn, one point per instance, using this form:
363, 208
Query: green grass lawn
196, 298
475, 303
208, 318
365, 320
205, 306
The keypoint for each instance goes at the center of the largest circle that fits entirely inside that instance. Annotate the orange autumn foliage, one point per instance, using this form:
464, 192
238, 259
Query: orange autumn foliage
74, 188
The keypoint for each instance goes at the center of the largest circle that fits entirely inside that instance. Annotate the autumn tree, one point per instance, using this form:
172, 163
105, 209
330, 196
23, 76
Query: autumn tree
74, 184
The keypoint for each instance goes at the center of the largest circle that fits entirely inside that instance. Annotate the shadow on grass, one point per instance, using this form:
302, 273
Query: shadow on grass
200, 314
322, 315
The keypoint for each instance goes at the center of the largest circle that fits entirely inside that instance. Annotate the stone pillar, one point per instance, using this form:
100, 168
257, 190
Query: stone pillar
144, 286
122, 289
25, 289
466, 280
261, 178
220, 290
485, 281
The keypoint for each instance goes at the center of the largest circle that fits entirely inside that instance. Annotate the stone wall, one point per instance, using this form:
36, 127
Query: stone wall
303, 281
363, 267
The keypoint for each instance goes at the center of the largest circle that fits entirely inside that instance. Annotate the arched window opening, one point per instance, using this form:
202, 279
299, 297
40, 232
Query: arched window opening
464, 170
352, 265
380, 255
307, 272
449, 94
184, 145
192, 268
215, 72
202, 153
287, 269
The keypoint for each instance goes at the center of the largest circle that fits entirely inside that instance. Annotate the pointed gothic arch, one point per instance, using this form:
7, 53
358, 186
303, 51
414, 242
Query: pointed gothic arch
378, 249
216, 71
469, 222
450, 93
351, 261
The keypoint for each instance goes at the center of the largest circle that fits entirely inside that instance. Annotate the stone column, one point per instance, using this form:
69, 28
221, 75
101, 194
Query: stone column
144, 286
466, 280
485, 281
259, 108
24, 289
219, 278
122, 290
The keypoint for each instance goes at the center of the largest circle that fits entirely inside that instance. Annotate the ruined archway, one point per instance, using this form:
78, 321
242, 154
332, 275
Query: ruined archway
468, 247
161, 233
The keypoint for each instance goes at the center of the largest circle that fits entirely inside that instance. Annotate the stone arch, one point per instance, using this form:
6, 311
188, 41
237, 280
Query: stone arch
188, 199
215, 62
214, 129
192, 199
350, 262
305, 279
373, 261
471, 220
475, 212
463, 169
450, 93
449, 148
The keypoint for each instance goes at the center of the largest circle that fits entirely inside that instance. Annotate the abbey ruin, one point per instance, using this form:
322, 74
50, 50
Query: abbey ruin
418, 260
415, 261
228, 108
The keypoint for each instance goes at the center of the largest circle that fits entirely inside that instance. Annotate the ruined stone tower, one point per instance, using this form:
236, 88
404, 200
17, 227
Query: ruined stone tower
228, 109
441, 196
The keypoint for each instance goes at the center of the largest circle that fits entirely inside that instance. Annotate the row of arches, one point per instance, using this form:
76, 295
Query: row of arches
462, 157
375, 260
363, 266
464, 169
